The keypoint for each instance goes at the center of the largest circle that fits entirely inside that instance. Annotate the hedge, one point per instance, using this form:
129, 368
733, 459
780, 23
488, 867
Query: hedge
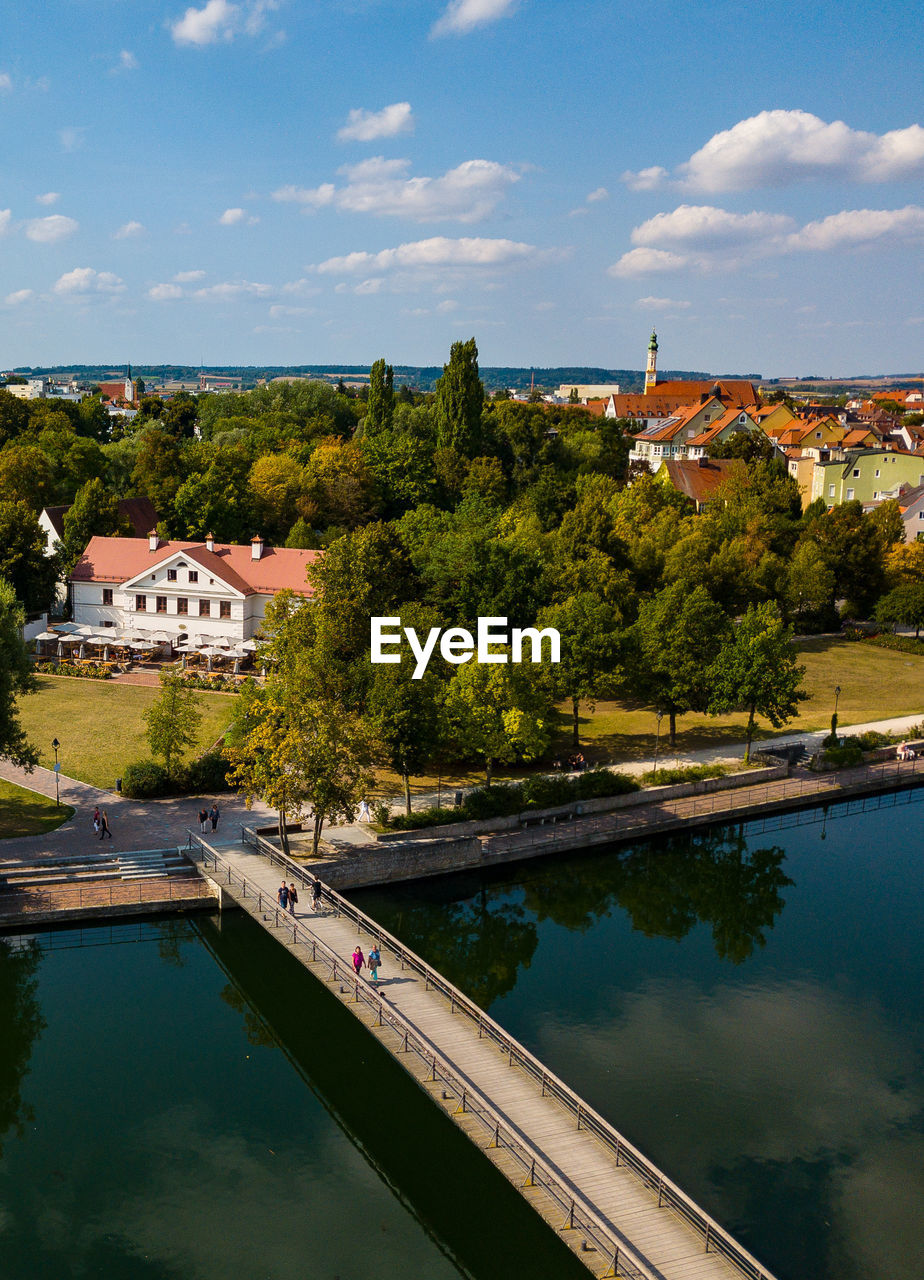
903, 644
691, 773
505, 799
83, 672
148, 779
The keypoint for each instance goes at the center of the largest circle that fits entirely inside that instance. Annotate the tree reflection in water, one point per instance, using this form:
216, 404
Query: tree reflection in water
480, 931
22, 1023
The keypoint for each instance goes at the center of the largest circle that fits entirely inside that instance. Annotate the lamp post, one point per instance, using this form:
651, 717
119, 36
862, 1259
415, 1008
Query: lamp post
657, 741
55, 744
837, 694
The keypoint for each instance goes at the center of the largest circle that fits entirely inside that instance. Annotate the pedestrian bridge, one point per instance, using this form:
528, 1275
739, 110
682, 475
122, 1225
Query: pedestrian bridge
621, 1214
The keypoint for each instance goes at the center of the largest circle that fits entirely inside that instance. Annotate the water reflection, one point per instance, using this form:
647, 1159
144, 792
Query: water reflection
22, 1024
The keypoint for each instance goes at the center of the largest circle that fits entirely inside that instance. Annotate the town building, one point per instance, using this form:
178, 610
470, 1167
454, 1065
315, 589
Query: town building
185, 590
866, 475
699, 479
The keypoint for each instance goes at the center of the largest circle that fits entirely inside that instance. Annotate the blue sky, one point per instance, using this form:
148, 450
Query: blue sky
310, 181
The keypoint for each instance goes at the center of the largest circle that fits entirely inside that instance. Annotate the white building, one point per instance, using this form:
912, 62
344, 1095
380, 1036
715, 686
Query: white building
31, 389
184, 589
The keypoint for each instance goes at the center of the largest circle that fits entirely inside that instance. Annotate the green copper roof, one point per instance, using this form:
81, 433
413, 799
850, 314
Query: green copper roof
653, 344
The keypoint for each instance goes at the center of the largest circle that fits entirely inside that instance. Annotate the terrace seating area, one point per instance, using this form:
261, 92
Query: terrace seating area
71, 645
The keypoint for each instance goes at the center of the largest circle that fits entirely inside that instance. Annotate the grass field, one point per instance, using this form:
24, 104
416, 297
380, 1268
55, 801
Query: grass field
99, 724
26, 813
876, 684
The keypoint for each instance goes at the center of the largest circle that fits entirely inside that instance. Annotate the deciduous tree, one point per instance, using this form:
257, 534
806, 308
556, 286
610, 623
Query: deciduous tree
172, 720
459, 400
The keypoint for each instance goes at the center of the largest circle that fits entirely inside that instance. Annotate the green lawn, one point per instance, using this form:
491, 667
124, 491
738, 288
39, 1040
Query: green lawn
26, 813
99, 724
876, 684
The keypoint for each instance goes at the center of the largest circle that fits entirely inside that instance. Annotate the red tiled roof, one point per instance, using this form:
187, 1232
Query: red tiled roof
121, 559
731, 391
140, 512
699, 478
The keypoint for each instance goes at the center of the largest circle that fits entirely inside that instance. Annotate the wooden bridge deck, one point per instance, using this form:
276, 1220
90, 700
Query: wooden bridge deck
607, 1211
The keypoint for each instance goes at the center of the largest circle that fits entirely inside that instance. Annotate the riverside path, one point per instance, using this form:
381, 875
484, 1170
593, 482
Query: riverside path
621, 1214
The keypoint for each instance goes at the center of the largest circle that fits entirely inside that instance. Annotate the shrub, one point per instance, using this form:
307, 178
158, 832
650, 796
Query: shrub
689, 773
851, 753
872, 739
903, 644
601, 782
208, 773
84, 672
491, 802
145, 779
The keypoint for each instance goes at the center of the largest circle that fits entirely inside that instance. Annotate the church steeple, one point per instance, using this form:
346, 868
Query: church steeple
651, 369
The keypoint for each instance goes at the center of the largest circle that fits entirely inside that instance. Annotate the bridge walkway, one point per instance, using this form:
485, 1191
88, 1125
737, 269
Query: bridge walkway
620, 1213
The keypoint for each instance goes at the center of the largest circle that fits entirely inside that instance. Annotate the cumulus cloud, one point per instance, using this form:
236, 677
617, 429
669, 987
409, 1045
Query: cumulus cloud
779, 148
49, 197
705, 238
165, 292
439, 251
188, 277
462, 16
127, 61
129, 230
601, 193
84, 280
367, 126
220, 20
6, 216
20, 295
235, 217
382, 187
51, 229
230, 290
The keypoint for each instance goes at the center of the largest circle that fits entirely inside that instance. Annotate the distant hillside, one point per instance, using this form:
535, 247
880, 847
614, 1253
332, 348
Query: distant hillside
420, 377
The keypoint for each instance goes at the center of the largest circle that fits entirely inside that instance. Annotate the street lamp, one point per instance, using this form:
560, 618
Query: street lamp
55, 744
657, 740
837, 694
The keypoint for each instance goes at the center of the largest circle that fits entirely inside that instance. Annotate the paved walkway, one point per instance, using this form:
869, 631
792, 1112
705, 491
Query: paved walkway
135, 824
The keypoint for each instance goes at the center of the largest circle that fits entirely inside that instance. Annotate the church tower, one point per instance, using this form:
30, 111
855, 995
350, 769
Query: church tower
651, 369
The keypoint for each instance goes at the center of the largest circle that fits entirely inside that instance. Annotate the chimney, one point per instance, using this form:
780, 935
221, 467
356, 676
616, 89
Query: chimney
210, 542
153, 540
256, 547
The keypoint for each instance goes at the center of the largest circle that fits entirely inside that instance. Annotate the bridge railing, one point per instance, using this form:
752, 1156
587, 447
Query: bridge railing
715, 1238
578, 1215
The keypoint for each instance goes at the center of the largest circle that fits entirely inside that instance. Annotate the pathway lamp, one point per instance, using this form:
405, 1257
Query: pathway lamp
55, 744
660, 716
837, 694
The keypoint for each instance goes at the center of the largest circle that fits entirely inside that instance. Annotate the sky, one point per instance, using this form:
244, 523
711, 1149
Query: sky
331, 181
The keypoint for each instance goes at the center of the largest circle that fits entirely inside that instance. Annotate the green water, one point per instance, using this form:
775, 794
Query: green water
182, 1101
747, 1006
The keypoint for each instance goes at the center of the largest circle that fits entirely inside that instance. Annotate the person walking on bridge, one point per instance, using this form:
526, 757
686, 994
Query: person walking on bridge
282, 895
375, 959
316, 895
293, 898
358, 960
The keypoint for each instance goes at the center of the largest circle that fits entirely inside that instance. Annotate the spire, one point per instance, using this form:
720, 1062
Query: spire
651, 368
653, 341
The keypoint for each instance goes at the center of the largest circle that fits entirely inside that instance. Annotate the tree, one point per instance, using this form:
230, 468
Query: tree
853, 551
498, 713
339, 484
95, 512
757, 671
809, 591
172, 719
158, 471
679, 634
903, 607
887, 519
16, 678
26, 476
380, 406
751, 446
23, 562
459, 400
403, 715
276, 482
590, 651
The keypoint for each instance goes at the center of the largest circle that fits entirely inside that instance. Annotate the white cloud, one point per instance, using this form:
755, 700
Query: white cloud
601, 193
705, 227
278, 311
49, 197
462, 16
21, 295
378, 186
51, 229
372, 285
165, 292
229, 290
662, 304
72, 137
302, 288
127, 61
129, 231
220, 20
6, 216
779, 148
642, 262
6, 84
860, 226
437, 252
367, 126
235, 217
86, 280
188, 277
714, 239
